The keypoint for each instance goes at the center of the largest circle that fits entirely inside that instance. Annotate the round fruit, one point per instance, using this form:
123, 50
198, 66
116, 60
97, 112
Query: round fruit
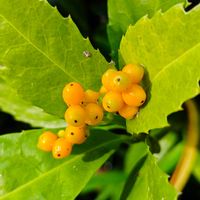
75, 135
46, 141
91, 96
61, 148
103, 90
73, 94
94, 114
112, 101
134, 96
75, 115
128, 112
135, 72
61, 133
120, 81
107, 76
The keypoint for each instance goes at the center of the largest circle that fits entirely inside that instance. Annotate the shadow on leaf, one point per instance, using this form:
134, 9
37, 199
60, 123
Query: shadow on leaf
132, 178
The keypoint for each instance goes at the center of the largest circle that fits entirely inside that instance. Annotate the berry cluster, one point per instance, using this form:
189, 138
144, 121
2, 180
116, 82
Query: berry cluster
123, 94
83, 109
120, 93
59, 146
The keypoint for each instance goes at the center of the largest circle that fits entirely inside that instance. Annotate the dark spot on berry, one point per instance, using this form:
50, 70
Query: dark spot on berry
118, 79
82, 102
71, 84
58, 155
108, 107
86, 136
75, 121
142, 101
96, 117
72, 133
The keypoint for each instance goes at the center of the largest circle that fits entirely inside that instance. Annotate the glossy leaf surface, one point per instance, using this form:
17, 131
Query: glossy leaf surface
168, 45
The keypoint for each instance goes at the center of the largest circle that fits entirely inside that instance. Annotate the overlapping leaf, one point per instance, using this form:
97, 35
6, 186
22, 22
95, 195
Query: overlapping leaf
126, 12
28, 173
42, 51
168, 45
146, 180
143, 179
110, 183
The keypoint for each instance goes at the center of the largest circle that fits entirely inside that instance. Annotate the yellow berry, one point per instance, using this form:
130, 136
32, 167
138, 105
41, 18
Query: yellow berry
75, 115
61, 148
75, 135
107, 76
135, 72
73, 94
112, 101
103, 90
90, 97
46, 141
120, 81
134, 96
94, 114
128, 112
61, 133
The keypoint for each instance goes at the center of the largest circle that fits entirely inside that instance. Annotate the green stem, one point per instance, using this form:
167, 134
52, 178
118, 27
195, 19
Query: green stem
185, 165
110, 127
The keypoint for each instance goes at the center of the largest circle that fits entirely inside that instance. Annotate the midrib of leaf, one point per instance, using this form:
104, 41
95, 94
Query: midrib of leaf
67, 162
173, 61
37, 48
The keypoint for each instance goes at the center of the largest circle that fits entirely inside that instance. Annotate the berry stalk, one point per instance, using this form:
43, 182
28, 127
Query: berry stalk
185, 165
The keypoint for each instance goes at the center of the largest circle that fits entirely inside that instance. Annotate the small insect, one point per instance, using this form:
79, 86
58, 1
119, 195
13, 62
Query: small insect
87, 54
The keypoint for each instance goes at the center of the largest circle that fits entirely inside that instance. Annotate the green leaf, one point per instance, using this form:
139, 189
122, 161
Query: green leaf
167, 142
111, 191
43, 51
108, 183
134, 154
168, 47
147, 181
11, 103
126, 12
28, 173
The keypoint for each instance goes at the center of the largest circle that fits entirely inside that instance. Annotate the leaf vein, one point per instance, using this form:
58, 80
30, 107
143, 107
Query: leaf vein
177, 58
65, 163
38, 49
